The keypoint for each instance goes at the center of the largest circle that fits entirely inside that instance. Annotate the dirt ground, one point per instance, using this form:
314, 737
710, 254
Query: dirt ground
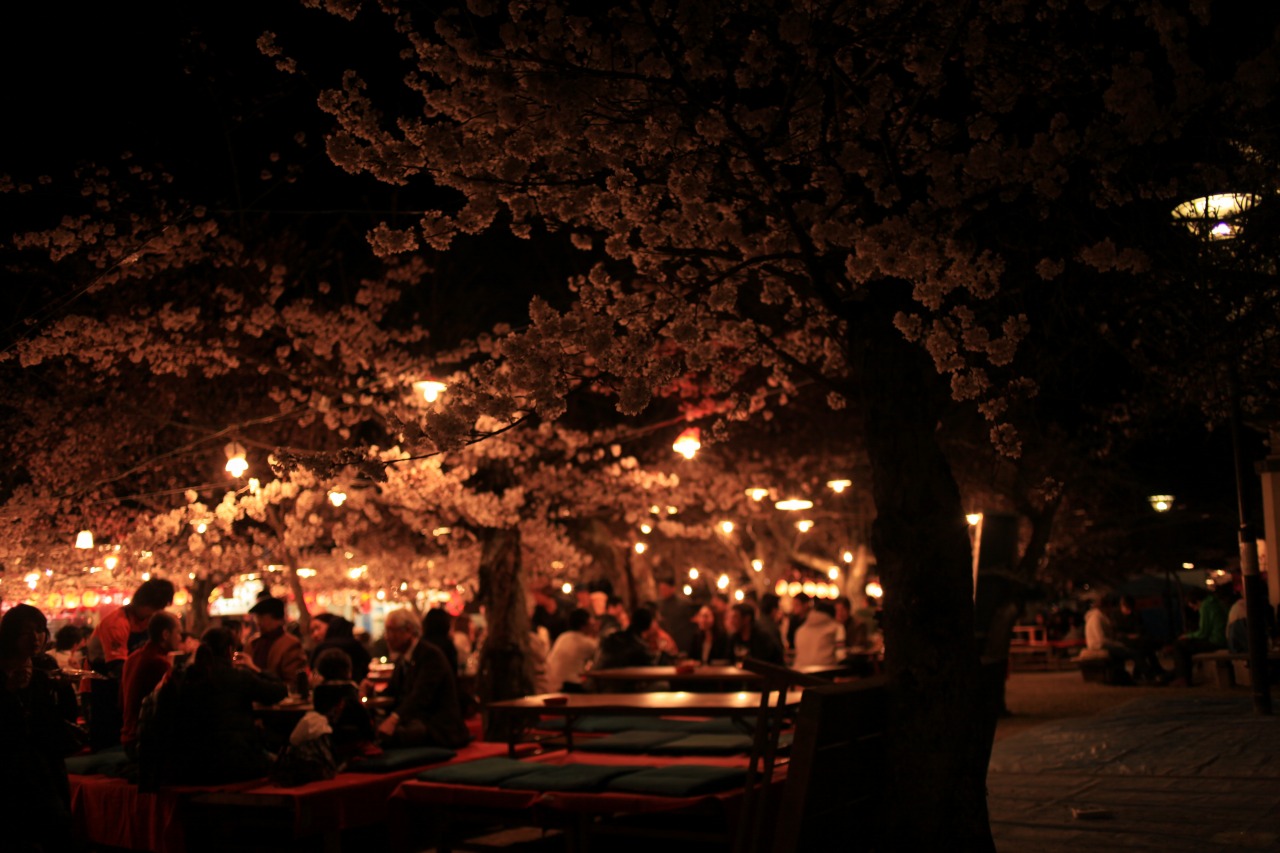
1038, 697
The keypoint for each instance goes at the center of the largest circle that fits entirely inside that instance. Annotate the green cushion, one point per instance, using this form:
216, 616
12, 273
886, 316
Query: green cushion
723, 726
486, 771
609, 724
707, 744
402, 759
679, 780
108, 761
567, 777
632, 742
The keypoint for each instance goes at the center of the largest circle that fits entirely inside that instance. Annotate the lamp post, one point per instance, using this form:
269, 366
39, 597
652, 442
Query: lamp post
1217, 218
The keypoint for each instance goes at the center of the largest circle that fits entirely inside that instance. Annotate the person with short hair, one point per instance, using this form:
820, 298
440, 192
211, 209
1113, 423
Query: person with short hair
819, 640
427, 711
352, 728
339, 633
709, 642
274, 650
1209, 636
144, 670
573, 652
630, 646
745, 638
119, 634
68, 647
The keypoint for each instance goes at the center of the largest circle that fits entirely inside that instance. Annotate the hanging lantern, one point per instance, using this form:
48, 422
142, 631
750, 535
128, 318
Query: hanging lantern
726, 527
757, 493
688, 442
780, 588
337, 497
430, 389
84, 540
53, 601
90, 598
793, 504
838, 486
236, 464
71, 601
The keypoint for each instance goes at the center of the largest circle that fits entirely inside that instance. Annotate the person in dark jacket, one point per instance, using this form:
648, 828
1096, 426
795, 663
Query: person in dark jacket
628, 647
35, 797
340, 634
437, 629
427, 712
709, 642
746, 640
208, 734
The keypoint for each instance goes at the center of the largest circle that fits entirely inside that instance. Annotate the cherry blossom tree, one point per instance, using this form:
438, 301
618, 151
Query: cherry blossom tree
777, 193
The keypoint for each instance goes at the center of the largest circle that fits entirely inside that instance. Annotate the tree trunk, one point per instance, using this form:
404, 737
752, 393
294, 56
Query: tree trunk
941, 739
506, 665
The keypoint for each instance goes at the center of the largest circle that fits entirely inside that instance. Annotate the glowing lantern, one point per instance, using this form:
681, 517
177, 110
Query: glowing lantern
90, 598
780, 588
804, 525
726, 527
693, 574
430, 389
53, 601
874, 590
646, 528
722, 582
71, 601
641, 547
111, 562
757, 565
687, 590
838, 486
236, 464
688, 442
973, 518
834, 573
32, 579
84, 540
1161, 503
337, 497
810, 588
794, 588
847, 556
757, 494
738, 595
793, 504
566, 588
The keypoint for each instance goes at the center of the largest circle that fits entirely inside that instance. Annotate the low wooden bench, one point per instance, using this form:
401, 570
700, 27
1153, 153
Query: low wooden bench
1094, 670
1225, 669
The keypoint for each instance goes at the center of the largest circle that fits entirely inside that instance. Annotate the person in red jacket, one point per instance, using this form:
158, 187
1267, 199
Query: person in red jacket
144, 669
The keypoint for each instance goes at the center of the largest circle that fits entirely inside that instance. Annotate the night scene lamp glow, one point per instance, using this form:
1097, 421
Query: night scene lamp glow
688, 442
430, 389
793, 504
838, 486
84, 540
1161, 503
236, 464
1213, 216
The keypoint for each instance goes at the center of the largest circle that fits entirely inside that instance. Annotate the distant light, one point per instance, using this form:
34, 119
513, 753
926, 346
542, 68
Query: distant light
255, 485
834, 573
1219, 210
382, 595
838, 486
973, 518
688, 443
201, 527
687, 590
722, 582
111, 561
646, 528
794, 588
757, 493
1188, 565
84, 540
780, 588
404, 586
726, 527
693, 574
566, 588
306, 573
810, 589
146, 576
641, 547
672, 510
739, 595
442, 531
757, 565
874, 590
236, 465
655, 509
847, 556
337, 498
793, 504
356, 572
1161, 503
32, 579
430, 389
804, 525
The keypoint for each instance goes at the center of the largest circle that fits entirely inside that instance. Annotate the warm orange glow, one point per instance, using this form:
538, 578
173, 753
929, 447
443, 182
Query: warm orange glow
793, 504
688, 443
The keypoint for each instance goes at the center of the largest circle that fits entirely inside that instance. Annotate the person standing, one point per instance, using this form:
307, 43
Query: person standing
274, 650
819, 640
117, 635
145, 669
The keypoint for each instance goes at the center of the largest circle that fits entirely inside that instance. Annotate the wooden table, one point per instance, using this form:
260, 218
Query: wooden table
522, 712
698, 674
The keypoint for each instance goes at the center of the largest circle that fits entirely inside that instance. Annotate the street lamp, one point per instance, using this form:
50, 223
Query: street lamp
1219, 218
1161, 503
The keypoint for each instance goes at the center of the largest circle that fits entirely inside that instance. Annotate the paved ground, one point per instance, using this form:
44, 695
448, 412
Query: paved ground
1086, 766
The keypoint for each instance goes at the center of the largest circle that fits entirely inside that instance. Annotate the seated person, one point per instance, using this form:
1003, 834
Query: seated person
330, 631
573, 652
338, 697
274, 650
820, 639
207, 734
709, 643
632, 645
746, 639
1101, 643
144, 670
427, 712
1209, 636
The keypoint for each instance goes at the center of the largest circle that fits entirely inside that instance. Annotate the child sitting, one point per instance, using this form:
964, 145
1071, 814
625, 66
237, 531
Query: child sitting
340, 697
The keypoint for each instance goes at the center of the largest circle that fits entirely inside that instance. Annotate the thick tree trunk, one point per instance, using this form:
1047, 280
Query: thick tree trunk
941, 741
506, 666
